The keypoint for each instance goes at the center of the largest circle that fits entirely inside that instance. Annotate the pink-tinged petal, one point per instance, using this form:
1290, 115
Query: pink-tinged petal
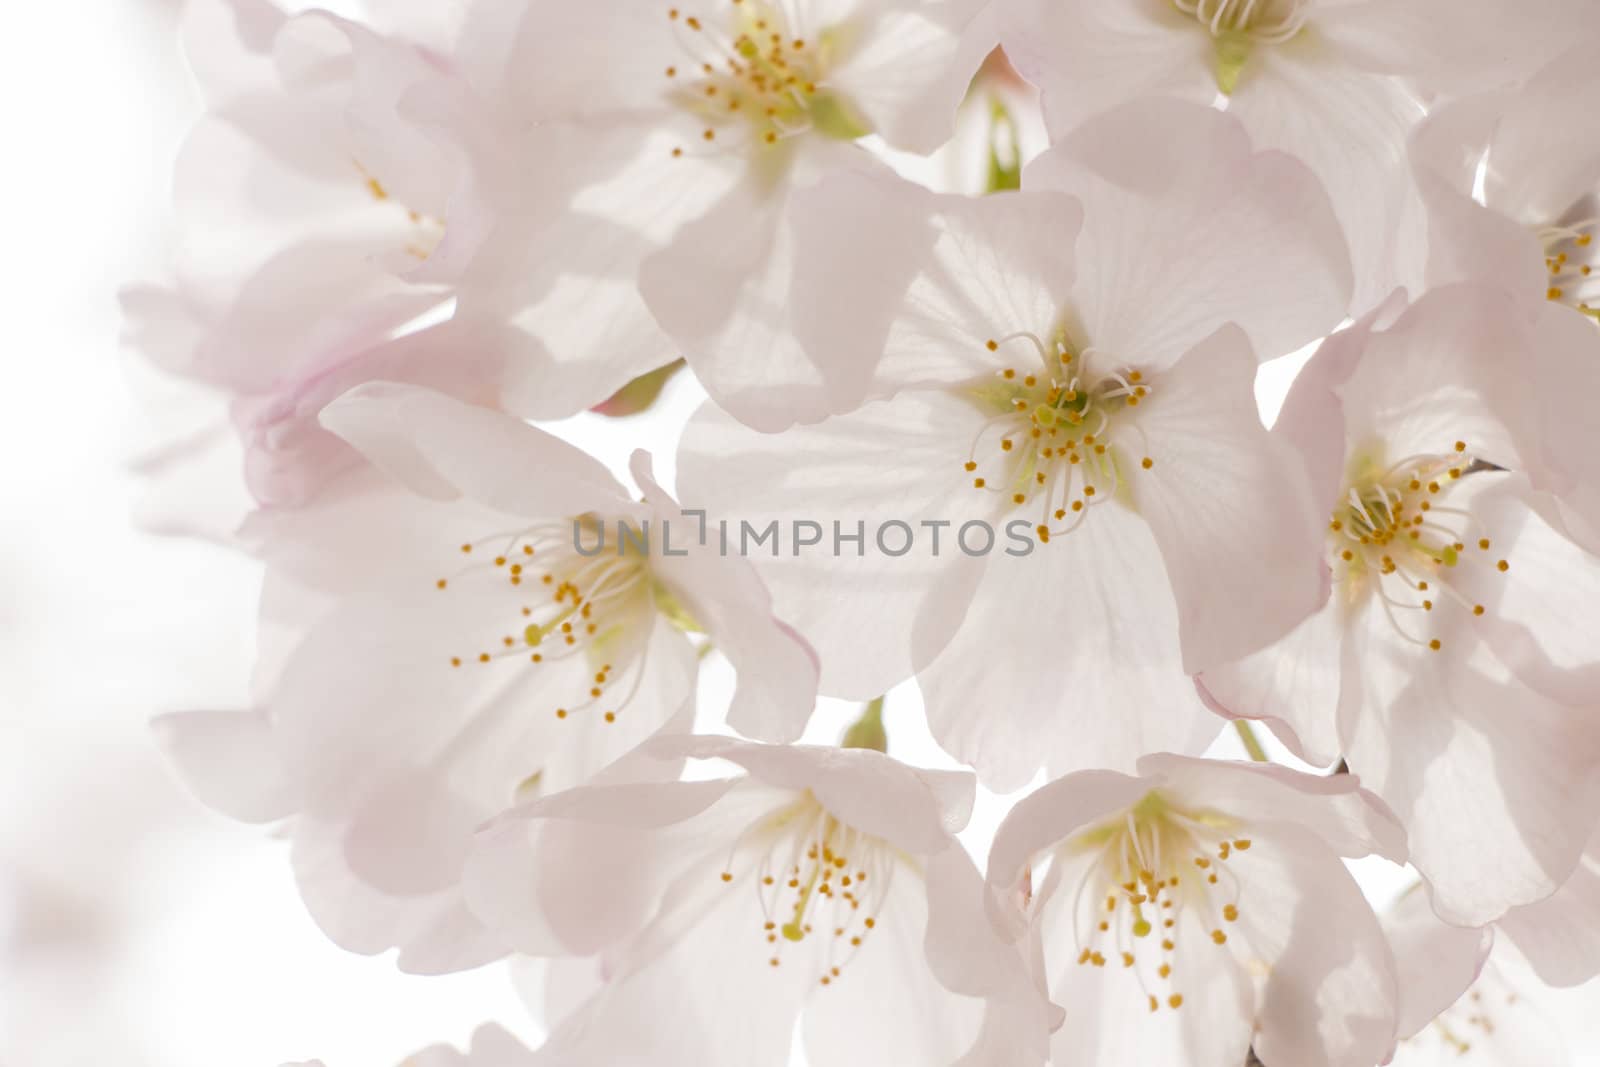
434, 932
908, 75
1560, 936
1566, 361
1312, 417
588, 61
1538, 612
708, 996
1181, 216
1090, 57
1051, 814
777, 670
1466, 240
226, 759
1497, 805
442, 448
1350, 821
582, 870
1545, 155
916, 810
889, 462
721, 291
1434, 961
1239, 531
899, 289
1349, 128
1108, 1010
560, 268
1328, 1001
1292, 685
1082, 631
1440, 375
860, 241
885, 1006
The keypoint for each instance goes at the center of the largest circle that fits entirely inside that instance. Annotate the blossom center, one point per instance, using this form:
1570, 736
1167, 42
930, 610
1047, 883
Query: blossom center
1395, 535
560, 605
1238, 26
1265, 21
753, 80
1048, 437
1149, 874
1571, 255
819, 881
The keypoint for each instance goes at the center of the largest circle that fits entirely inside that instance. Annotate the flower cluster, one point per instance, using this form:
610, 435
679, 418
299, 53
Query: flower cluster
939, 266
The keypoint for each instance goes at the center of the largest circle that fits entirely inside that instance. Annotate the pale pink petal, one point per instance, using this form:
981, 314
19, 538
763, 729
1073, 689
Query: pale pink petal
916, 810
889, 462
1090, 57
886, 1007
1097, 685
434, 932
901, 289
582, 870
226, 759
1498, 805
1241, 536
1440, 375
1435, 962
443, 448
1328, 1001
777, 671
1538, 612
1351, 821
1051, 814
1293, 684
1560, 936
1180, 213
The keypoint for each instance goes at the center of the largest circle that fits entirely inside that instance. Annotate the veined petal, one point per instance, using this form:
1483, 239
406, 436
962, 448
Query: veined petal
1239, 530
443, 448
1186, 229
1084, 630
889, 462
1497, 805
1560, 936
1435, 962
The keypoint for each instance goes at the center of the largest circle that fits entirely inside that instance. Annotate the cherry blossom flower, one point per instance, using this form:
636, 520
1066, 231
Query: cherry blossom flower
1536, 233
1093, 389
308, 206
802, 886
1336, 83
1200, 907
451, 650
696, 121
1451, 664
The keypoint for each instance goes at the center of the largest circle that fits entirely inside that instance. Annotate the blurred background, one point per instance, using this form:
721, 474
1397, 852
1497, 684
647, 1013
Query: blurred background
136, 928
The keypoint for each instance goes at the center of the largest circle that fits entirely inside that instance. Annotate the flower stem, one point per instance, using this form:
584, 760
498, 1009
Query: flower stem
1252, 744
868, 731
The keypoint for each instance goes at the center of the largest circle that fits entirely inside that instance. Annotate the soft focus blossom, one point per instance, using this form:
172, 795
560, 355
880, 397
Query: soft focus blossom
1466, 997
1338, 84
697, 122
1201, 907
1536, 232
308, 204
1077, 359
804, 884
1451, 665
450, 651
